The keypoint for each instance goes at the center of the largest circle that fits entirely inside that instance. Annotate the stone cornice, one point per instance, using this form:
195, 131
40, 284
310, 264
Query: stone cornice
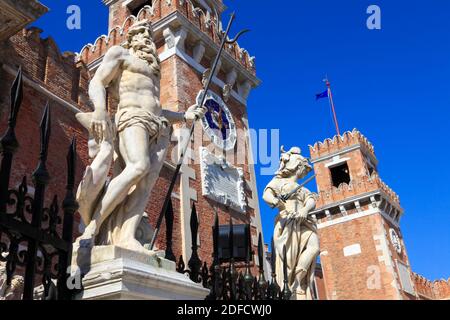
176, 19
346, 201
14, 15
33, 8
369, 195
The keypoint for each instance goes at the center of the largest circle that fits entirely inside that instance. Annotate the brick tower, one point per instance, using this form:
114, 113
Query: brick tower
186, 41
363, 255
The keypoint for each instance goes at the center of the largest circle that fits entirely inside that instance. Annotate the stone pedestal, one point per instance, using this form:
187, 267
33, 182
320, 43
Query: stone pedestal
114, 273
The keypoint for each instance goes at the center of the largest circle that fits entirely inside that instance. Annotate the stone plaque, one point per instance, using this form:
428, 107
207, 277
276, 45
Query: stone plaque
222, 182
405, 278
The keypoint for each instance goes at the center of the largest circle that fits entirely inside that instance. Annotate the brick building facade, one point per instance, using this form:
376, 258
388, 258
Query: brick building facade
363, 255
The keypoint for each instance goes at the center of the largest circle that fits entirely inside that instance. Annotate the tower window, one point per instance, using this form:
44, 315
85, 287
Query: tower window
139, 5
340, 174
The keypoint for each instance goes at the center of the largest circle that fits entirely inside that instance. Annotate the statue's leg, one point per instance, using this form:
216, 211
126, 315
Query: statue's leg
307, 257
138, 200
134, 148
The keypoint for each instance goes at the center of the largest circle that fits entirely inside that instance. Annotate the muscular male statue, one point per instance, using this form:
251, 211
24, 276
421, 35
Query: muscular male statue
136, 141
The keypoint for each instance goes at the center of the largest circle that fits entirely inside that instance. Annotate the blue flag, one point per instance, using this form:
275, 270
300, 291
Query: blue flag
322, 95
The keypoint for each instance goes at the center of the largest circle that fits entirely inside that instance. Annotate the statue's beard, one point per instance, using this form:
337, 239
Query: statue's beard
144, 51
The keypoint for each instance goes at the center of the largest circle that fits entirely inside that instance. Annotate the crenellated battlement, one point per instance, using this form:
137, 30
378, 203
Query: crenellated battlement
385, 188
45, 65
339, 142
208, 24
362, 185
116, 36
200, 18
438, 289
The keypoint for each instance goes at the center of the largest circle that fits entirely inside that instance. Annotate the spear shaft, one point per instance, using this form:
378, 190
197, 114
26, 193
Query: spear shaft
186, 144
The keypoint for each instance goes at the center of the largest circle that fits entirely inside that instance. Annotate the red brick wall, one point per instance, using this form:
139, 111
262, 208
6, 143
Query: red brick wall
347, 277
43, 64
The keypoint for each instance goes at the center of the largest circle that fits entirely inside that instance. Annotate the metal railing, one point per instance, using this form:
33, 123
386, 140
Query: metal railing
29, 240
224, 280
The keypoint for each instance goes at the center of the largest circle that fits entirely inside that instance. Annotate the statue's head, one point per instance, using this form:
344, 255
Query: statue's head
293, 163
140, 39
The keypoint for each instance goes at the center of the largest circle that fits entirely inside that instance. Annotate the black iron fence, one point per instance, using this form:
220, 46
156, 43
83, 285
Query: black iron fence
29, 240
223, 279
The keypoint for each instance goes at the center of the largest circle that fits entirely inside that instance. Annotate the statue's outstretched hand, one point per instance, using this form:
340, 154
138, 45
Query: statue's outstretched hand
195, 113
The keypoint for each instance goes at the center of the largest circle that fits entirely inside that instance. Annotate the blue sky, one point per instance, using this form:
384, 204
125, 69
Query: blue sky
392, 84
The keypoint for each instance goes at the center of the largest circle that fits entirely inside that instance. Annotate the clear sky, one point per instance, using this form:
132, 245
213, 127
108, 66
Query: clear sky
392, 84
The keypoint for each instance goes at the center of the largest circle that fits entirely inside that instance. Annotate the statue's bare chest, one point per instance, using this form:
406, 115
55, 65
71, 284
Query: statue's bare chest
137, 66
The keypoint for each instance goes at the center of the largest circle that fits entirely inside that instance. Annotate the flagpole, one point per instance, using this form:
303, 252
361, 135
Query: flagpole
330, 97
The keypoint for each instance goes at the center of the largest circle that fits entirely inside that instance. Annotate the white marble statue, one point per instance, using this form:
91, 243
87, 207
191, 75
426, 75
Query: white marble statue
294, 228
134, 143
14, 290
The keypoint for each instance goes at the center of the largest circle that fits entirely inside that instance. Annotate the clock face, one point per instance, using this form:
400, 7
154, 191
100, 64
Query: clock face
395, 240
218, 122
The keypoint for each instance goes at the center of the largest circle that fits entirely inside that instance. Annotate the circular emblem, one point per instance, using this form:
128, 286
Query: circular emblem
395, 240
218, 122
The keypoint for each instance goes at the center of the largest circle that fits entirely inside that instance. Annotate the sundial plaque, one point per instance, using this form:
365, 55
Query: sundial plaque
222, 182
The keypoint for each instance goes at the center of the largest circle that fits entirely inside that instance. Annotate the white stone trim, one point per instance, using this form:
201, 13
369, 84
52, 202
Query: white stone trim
375, 205
254, 201
386, 257
337, 160
199, 51
347, 218
175, 38
347, 201
346, 150
352, 250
